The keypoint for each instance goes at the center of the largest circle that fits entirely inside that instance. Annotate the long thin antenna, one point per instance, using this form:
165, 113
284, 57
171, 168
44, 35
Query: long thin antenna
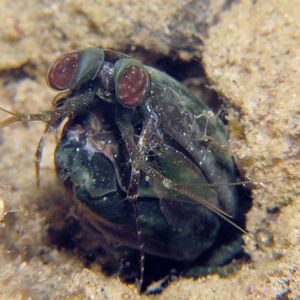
169, 184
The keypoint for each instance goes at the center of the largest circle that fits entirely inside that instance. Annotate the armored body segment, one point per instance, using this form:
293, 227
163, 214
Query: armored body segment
200, 132
91, 177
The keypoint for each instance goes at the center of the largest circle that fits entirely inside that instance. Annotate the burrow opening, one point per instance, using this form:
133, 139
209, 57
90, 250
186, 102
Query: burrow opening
71, 237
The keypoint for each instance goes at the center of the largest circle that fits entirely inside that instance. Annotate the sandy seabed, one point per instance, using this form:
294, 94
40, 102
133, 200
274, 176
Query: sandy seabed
251, 56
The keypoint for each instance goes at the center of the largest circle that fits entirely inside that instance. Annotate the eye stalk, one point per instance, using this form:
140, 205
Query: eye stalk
72, 69
132, 82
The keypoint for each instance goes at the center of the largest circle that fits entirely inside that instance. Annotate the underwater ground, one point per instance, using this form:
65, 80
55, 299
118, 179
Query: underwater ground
251, 57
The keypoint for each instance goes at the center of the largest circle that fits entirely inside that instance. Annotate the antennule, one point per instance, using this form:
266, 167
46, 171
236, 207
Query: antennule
15, 117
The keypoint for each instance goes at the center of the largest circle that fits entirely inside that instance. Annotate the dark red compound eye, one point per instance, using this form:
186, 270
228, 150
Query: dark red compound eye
133, 86
62, 71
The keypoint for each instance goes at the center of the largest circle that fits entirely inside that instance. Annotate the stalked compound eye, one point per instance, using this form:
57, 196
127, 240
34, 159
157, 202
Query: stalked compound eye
72, 69
62, 72
132, 82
